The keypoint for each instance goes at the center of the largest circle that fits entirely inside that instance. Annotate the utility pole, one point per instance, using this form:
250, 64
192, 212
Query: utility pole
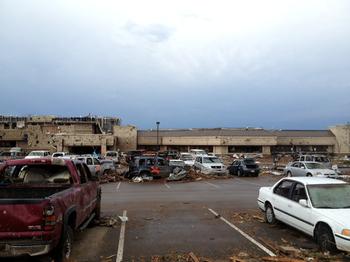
158, 147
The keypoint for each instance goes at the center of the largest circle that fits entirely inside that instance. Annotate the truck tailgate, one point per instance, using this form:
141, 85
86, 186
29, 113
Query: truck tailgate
18, 215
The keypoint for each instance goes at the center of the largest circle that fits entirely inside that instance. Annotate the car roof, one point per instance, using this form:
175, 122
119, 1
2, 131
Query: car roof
315, 180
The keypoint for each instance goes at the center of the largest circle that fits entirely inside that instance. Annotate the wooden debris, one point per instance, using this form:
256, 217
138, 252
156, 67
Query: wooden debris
193, 257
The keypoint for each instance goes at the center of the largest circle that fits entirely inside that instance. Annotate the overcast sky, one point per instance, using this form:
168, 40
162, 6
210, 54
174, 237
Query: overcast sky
271, 64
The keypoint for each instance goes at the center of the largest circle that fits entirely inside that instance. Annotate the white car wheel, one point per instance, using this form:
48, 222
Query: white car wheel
270, 215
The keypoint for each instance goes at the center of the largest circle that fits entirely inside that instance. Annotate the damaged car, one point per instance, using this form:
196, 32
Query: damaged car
319, 207
148, 166
209, 165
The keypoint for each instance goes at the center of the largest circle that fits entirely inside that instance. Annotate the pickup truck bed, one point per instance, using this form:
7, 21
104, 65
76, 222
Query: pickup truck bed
24, 193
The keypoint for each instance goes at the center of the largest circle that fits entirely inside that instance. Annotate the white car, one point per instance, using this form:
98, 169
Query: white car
187, 158
210, 165
37, 154
198, 152
308, 168
320, 207
60, 154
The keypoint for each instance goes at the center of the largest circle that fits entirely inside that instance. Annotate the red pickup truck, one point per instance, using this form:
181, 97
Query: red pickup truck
42, 202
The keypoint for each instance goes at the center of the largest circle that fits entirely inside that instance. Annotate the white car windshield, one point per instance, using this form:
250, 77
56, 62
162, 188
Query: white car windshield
208, 160
36, 154
330, 196
315, 166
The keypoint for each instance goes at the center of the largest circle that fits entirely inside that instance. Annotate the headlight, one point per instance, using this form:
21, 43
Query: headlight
346, 232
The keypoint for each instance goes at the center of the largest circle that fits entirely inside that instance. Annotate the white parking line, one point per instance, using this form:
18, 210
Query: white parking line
165, 184
266, 250
118, 186
210, 184
121, 238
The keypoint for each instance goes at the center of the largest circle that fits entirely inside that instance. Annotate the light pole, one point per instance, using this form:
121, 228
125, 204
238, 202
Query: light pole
158, 147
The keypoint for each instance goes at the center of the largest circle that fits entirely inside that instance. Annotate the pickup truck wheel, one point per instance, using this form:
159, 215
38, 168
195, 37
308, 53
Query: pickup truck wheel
325, 239
270, 215
63, 251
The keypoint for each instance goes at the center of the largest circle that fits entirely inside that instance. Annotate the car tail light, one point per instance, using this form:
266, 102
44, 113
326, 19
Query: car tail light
49, 218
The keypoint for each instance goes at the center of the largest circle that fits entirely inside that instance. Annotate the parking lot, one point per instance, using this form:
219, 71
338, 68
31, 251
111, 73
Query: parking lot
167, 221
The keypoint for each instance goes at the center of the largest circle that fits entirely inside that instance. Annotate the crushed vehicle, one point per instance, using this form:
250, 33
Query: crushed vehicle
38, 154
187, 158
319, 207
315, 158
93, 164
244, 167
43, 201
209, 165
305, 168
148, 166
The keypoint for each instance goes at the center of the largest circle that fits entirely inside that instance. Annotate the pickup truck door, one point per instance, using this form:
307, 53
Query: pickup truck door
84, 200
280, 199
300, 215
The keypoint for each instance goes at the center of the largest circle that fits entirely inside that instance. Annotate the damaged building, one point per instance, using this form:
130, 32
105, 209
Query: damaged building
82, 135
78, 135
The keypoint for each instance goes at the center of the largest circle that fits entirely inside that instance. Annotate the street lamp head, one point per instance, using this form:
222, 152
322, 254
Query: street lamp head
157, 123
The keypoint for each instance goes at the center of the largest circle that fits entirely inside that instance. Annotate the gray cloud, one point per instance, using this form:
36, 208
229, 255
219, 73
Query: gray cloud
153, 33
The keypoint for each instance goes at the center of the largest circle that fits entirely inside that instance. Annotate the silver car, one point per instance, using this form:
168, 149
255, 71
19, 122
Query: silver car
308, 168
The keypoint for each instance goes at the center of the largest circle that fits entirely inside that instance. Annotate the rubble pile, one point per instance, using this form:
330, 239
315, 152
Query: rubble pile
117, 175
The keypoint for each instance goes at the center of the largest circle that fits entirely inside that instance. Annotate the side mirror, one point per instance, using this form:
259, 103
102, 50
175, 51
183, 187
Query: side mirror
303, 202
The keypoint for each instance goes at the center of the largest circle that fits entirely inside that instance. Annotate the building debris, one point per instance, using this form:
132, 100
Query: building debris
108, 221
178, 174
192, 257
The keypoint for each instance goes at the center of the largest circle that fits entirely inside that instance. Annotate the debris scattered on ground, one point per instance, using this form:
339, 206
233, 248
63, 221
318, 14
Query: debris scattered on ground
137, 179
178, 174
108, 259
193, 257
109, 221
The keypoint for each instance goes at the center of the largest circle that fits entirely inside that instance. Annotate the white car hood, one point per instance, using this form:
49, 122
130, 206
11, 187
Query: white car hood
340, 216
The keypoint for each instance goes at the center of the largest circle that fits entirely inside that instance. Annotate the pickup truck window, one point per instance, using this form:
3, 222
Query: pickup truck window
35, 174
284, 188
87, 172
81, 173
96, 162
